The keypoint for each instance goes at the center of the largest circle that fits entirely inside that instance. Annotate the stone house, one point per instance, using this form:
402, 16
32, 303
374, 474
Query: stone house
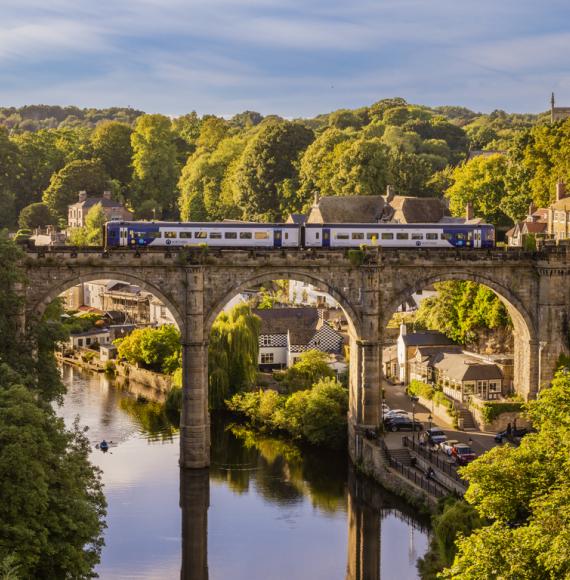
288, 332
559, 215
88, 338
535, 224
77, 212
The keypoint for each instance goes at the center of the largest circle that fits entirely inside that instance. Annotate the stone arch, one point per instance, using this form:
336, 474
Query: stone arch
516, 309
256, 279
58, 287
525, 328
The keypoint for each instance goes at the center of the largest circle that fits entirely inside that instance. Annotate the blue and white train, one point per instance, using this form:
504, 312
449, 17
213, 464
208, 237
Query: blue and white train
137, 235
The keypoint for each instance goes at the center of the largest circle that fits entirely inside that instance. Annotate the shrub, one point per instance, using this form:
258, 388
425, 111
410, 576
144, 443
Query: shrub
356, 257
490, 410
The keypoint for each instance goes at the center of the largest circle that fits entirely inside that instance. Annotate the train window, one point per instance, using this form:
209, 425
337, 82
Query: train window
265, 235
402, 236
169, 234
460, 236
111, 234
370, 236
215, 235
201, 235
150, 234
431, 236
357, 236
286, 235
186, 235
342, 236
230, 235
387, 236
446, 236
417, 236
317, 235
245, 236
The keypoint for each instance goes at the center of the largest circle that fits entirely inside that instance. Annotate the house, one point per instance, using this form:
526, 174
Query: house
77, 212
107, 352
308, 295
48, 236
461, 375
159, 313
407, 345
88, 338
285, 333
535, 225
558, 113
559, 215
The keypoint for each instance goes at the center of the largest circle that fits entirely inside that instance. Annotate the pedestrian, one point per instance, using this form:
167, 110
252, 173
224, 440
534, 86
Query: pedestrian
509, 430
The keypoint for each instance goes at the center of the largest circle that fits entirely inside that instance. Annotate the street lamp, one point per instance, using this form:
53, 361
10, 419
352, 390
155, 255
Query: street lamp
414, 400
430, 420
470, 441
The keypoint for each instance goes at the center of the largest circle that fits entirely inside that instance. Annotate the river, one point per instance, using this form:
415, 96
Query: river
263, 511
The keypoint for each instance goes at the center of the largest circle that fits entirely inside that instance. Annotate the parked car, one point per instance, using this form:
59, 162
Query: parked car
396, 413
435, 436
515, 433
402, 423
462, 454
447, 446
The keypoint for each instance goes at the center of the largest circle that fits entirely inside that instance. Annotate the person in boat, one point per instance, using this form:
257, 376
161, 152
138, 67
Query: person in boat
104, 445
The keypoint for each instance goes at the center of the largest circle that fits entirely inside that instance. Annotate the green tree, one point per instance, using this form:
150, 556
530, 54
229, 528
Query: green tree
269, 161
481, 182
410, 173
155, 165
310, 367
36, 215
111, 143
157, 349
8, 165
524, 493
89, 176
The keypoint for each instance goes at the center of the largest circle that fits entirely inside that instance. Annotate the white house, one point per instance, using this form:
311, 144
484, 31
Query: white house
89, 338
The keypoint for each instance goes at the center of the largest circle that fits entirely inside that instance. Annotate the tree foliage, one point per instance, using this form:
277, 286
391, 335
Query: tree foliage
91, 234
111, 143
36, 215
310, 367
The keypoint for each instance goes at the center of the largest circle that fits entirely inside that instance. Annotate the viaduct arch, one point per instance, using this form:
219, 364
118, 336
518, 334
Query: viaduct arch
196, 285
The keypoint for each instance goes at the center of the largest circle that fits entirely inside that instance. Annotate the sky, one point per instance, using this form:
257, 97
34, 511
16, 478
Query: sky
295, 58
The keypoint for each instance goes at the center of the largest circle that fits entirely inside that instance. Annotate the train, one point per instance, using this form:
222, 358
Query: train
143, 234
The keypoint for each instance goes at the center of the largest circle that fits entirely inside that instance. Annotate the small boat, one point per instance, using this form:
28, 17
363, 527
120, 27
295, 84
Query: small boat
104, 446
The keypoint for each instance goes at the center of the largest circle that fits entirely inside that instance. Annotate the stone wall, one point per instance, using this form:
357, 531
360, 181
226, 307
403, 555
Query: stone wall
150, 379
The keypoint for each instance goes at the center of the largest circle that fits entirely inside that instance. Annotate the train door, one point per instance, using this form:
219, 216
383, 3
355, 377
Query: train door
123, 236
326, 238
477, 238
277, 238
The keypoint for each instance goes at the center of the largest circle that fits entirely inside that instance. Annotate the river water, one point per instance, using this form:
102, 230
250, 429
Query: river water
263, 511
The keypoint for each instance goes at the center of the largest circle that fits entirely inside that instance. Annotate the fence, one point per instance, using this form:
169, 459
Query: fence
418, 478
432, 457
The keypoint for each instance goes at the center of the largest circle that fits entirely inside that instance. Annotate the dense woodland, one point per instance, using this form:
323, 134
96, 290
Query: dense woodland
264, 168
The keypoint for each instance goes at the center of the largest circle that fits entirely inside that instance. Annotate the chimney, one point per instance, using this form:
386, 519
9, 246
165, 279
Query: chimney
403, 329
389, 193
469, 214
82, 196
106, 195
531, 210
316, 199
560, 190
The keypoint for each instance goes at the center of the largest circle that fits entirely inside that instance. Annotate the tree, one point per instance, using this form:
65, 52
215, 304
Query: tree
409, 173
89, 176
92, 233
8, 164
310, 367
524, 493
157, 349
269, 161
111, 142
36, 215
481, 182
155, 165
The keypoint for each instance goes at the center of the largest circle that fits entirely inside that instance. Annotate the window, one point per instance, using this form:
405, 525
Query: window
266, 340
357, 236
245, 236
460, 236
169, 234
201, 235
150, 234
215, 235
230, 235
402, 236
387, 236
493, 386
370, 236
317, 235
87, 341
186, 235
265, 235
342, 236
79, 342
286, 235
266, 358
446, 236
431, 236
417, 236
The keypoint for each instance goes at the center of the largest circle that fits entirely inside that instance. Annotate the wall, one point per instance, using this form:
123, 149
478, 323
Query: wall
157, 381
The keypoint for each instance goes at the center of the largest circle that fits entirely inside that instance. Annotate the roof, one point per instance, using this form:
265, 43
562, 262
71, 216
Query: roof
91, 201
92, 332
534, 227
563, 204
456, 365
300, 323
415, 210
356, 209
297, 218
426, 338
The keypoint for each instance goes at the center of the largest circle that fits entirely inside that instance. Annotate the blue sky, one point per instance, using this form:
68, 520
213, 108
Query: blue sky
289, 57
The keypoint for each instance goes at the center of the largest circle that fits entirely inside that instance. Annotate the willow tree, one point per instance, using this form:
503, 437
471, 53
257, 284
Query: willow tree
233, 353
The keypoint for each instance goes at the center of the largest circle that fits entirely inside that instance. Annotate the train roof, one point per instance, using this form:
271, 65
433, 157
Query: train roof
228, 224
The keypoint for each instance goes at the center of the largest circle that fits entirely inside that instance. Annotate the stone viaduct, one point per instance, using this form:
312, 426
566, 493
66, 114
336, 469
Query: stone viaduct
196, 284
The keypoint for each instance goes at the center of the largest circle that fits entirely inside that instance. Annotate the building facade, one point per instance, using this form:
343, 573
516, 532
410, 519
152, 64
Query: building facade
114, 211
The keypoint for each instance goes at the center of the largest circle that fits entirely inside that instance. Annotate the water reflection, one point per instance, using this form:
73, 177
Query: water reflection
266, 509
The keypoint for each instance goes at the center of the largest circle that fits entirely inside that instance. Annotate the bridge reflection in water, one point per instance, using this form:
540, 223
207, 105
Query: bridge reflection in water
367, 506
